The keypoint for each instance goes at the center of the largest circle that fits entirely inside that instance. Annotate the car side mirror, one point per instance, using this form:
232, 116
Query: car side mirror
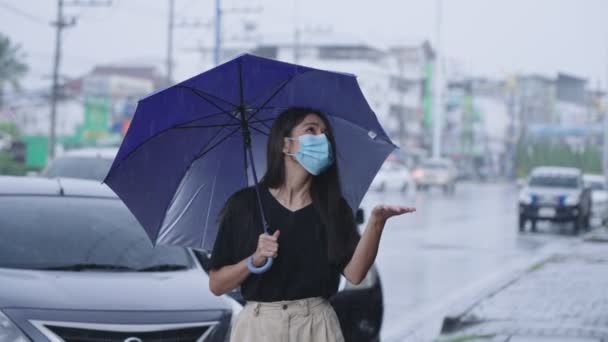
360, 216
203, 256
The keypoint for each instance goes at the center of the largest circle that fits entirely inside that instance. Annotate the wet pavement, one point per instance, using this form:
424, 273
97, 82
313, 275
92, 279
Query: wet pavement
450, 243
563, 297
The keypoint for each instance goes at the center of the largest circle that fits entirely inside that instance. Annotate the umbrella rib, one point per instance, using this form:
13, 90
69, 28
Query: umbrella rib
263, 122
275, 93
207, 126
202, 96
207, 150
259, 130
195, 90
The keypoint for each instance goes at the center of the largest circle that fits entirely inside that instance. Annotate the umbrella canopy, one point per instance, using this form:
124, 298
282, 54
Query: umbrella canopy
185, 151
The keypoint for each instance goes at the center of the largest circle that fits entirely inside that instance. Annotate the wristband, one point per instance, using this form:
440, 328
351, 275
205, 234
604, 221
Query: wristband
258, 270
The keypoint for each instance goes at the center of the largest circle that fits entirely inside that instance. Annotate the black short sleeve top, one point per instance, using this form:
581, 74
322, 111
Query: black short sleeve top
302, 268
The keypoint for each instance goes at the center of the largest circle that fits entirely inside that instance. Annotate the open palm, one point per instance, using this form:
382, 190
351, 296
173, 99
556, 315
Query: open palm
384, 212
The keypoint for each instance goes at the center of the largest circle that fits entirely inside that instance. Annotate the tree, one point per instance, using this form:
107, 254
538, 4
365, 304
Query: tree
12, 67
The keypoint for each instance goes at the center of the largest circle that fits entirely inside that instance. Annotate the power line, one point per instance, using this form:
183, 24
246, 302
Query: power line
23, 14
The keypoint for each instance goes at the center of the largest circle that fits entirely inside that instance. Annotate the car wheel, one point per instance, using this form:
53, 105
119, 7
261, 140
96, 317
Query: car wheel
533, 227
578, 224
522, 223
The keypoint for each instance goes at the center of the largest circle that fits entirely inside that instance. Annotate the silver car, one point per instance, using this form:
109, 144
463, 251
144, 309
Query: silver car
75, 265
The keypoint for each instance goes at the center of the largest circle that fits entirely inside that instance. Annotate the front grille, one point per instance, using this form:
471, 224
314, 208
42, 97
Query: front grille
92, 332
86, 335
548, 200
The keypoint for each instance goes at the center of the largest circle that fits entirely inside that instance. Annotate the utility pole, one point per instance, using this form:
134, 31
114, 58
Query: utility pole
438, 86
296, 34
60, 24
218, 32
604, 108
170, 28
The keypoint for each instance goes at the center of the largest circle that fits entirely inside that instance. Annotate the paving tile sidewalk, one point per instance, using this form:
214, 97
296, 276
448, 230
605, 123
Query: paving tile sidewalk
562, 298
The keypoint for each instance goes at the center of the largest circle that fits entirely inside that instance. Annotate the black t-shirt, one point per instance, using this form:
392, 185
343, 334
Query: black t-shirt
302, 268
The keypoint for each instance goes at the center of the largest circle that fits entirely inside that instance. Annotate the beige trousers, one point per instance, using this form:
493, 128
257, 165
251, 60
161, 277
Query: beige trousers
305, 320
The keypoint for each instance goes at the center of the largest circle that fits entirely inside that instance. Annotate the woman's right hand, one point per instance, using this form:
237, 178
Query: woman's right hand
268, 247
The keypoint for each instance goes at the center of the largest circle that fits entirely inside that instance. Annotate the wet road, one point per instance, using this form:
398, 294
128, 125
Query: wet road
447, 244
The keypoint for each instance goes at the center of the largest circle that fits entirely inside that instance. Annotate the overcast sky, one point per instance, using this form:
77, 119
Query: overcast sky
486, 37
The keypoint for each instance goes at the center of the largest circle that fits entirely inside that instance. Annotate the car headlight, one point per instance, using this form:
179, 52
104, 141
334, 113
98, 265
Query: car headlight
235, 306
9, 332
525, 198
571, 200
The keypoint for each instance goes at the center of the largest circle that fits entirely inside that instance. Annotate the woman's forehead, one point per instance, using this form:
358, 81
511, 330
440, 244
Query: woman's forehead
312, 120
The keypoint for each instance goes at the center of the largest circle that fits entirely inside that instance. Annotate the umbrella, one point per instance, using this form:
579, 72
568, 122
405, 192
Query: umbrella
192, 145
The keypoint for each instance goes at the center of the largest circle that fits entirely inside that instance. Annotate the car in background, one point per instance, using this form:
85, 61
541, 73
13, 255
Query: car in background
440, 172
360, 308
599, 197
86, 163
555, 194
392, 176
75, 265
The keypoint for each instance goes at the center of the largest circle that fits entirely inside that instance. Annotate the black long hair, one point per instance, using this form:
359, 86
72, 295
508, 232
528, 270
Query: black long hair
335, 213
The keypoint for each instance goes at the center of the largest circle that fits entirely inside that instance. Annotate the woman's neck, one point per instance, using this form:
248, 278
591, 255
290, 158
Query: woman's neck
295, 192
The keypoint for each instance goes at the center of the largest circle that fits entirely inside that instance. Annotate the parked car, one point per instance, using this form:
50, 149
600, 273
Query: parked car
436, 173
555, 194
75, 265
360, 308
599, 197
392, 176
86, 163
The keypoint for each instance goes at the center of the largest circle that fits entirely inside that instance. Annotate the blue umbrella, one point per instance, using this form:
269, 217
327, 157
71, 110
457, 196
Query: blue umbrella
192, 145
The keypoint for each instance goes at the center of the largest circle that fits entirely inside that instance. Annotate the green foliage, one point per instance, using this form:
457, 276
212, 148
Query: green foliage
10, 167
533, 154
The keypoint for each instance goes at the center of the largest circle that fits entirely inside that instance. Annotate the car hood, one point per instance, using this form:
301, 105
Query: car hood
542, 191
156, 291
599, 196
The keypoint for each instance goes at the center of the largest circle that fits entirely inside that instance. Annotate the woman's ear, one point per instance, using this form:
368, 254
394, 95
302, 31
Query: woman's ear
286, 145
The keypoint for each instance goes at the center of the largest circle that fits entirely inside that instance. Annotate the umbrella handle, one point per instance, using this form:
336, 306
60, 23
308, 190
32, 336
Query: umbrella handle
259, 270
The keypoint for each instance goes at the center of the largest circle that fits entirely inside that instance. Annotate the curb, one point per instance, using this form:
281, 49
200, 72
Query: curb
515, 272
429, 323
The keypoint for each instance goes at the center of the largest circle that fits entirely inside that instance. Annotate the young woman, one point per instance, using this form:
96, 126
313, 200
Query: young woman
313, 238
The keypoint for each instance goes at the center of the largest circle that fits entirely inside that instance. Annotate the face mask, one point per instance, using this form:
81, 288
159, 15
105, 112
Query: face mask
314, 154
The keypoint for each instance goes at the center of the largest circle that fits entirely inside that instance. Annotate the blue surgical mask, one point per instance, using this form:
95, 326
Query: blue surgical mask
315, 153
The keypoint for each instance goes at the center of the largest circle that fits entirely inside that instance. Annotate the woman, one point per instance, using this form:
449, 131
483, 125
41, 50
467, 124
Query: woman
313, 238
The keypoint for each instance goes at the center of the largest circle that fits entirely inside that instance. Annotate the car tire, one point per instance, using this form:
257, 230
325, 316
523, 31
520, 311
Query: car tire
533, 226
578, 224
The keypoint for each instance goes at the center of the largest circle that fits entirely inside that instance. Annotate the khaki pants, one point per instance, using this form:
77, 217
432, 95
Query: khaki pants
305, 320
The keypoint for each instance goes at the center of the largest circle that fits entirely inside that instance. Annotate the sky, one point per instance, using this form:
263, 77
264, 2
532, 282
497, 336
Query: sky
493, 38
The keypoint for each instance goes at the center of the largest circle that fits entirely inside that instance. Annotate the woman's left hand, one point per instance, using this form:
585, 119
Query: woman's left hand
381, 213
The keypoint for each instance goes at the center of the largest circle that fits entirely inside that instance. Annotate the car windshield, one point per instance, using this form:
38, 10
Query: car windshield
434, 166
596, 185
42, 232
94, 168
555, 181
